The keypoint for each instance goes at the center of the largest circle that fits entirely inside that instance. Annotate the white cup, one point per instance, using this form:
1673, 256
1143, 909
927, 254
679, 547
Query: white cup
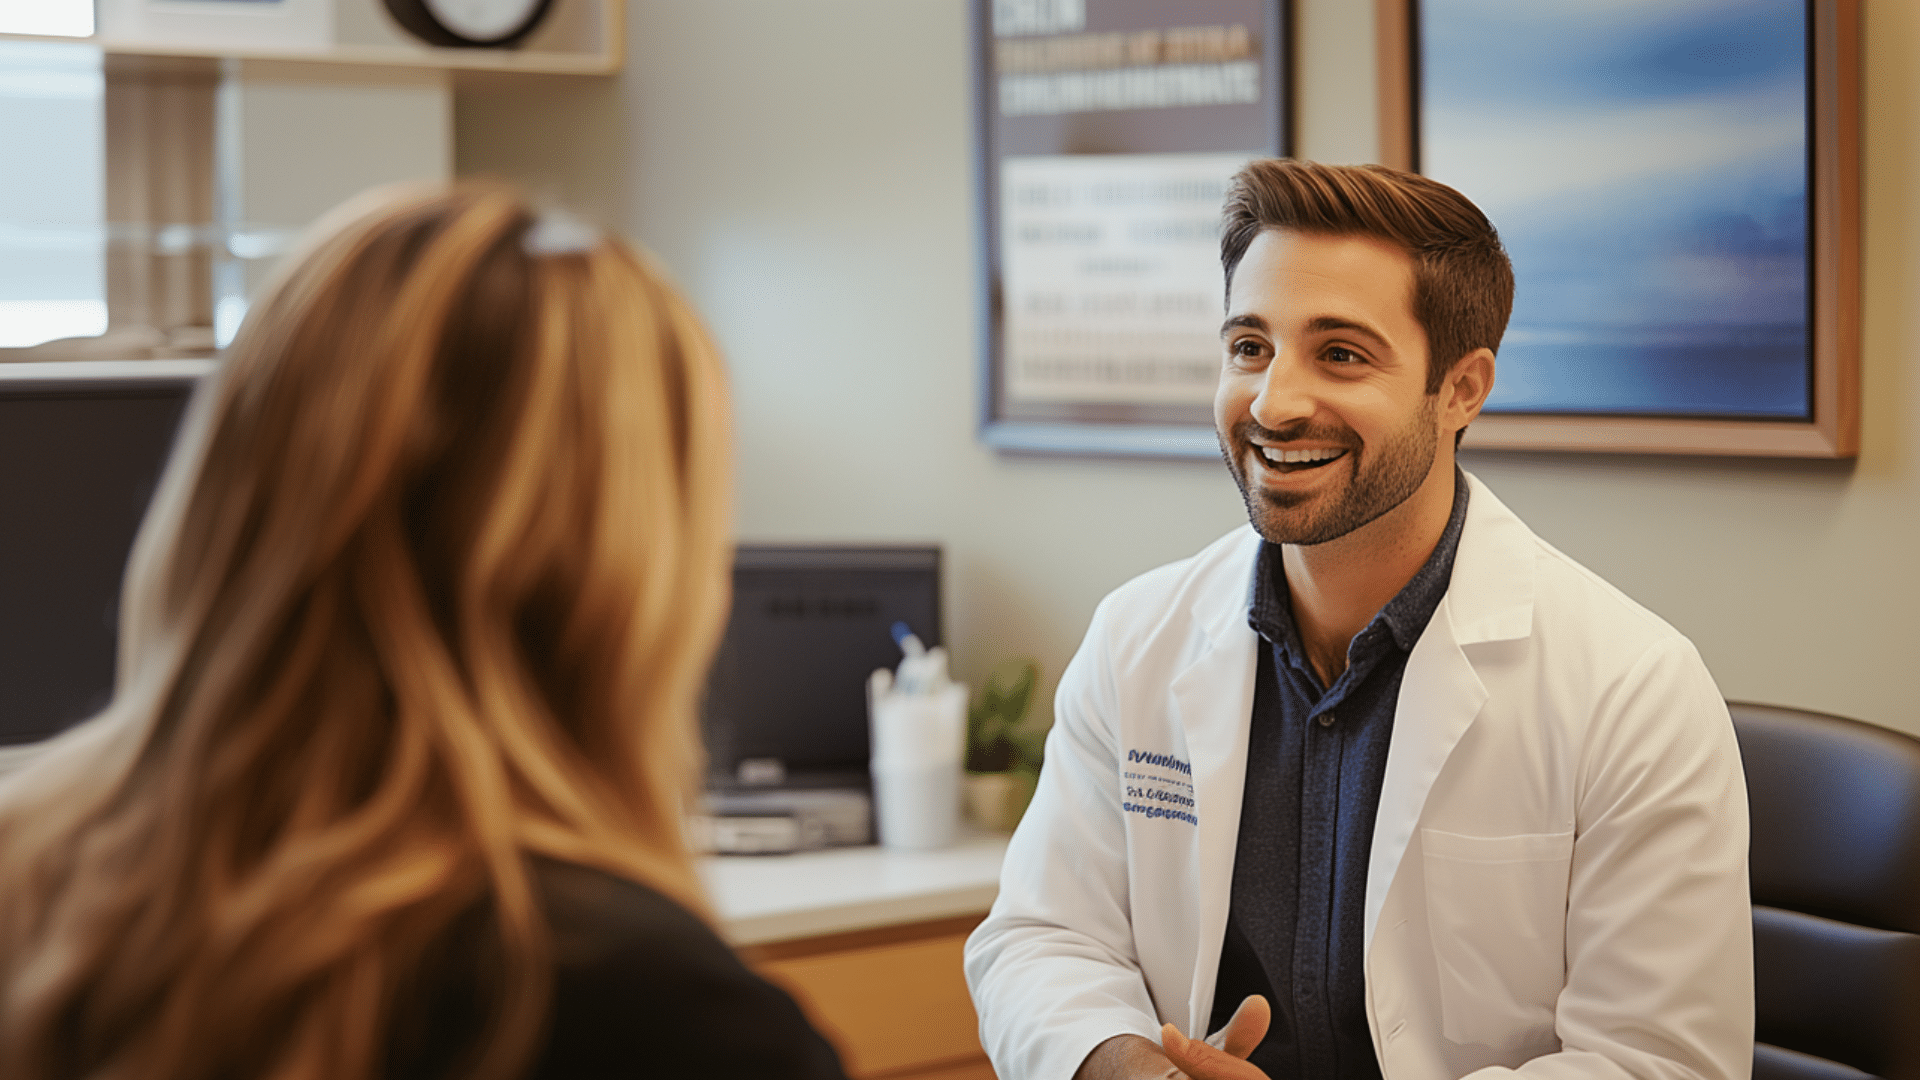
917, 805
919, 741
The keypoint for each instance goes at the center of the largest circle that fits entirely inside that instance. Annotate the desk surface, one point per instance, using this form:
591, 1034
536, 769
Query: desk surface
764, 898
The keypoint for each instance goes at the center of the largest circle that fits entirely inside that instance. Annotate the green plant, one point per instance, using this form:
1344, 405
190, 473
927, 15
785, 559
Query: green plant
998, 739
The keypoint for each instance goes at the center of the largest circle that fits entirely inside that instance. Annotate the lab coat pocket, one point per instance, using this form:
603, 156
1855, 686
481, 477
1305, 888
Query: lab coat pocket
1497, 910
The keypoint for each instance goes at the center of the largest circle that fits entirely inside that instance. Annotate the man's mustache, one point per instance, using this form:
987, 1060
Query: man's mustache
1298, 431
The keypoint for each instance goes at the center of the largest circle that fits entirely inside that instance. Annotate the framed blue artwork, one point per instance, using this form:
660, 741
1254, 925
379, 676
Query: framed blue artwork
1677, 185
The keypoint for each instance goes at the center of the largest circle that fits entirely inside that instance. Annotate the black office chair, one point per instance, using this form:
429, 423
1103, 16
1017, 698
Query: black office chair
1836, 895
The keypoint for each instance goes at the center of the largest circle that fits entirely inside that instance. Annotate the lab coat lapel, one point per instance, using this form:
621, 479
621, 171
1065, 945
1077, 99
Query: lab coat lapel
1439, 697
1490, 598
1213, 698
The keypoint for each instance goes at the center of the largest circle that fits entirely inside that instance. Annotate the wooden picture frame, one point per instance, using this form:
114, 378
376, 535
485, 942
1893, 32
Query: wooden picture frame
1831, 428
1043, 337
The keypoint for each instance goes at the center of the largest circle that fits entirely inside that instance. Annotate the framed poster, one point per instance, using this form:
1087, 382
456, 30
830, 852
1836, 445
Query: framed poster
1677, 184
1107, 132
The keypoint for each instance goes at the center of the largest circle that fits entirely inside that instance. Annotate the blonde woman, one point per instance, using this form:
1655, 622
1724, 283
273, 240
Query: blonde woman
393, 779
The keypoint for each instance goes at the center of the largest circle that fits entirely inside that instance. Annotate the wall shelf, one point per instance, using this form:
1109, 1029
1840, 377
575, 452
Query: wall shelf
580, 37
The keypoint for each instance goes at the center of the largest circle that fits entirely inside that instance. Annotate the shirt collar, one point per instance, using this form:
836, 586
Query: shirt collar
1270, 607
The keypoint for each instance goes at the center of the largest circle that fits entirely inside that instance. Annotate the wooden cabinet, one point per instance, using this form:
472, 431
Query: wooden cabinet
893, 1000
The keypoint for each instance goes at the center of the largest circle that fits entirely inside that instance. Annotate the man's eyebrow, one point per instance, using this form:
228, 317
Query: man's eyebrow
1251, 322
1323, 324
1330, 324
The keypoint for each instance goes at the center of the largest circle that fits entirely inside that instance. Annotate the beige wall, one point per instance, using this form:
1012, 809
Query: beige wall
304, 137
805, 170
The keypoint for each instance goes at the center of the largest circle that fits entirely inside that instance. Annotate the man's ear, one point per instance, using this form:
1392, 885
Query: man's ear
1465, 390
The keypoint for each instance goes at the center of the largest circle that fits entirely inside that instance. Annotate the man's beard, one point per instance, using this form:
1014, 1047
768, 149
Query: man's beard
1379, 478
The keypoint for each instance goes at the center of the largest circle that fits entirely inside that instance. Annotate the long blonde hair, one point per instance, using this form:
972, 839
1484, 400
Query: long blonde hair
429, 586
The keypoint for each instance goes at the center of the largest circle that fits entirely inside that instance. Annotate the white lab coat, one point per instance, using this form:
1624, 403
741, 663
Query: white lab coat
1558, 877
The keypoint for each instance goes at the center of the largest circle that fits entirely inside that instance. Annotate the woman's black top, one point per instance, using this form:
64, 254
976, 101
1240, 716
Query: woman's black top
642, 988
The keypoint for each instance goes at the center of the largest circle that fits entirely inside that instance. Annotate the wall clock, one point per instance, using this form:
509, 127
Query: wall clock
469, 23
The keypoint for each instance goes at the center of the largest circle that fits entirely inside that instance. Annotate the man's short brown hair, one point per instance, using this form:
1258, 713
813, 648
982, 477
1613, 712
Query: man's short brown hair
1462, 280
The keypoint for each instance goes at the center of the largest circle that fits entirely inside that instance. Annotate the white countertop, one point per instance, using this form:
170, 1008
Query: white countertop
762, 898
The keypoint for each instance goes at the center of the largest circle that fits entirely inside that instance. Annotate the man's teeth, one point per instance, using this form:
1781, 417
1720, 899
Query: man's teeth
1290, 457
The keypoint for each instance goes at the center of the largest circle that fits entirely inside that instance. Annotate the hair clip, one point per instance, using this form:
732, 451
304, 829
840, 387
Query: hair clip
557, 232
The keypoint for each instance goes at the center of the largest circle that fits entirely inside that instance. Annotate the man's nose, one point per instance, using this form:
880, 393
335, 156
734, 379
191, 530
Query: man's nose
1286, 392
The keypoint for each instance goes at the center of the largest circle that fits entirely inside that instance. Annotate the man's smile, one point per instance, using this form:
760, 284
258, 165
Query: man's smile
1283, 460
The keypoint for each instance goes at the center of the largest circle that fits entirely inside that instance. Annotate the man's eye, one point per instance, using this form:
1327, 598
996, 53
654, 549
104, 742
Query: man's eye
1340, 354
1247, 347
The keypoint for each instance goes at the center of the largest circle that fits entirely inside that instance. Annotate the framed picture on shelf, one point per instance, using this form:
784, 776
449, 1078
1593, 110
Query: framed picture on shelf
1107, 131
1678, 186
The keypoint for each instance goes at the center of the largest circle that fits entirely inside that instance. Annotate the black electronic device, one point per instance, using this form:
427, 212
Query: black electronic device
787, 700
82, 446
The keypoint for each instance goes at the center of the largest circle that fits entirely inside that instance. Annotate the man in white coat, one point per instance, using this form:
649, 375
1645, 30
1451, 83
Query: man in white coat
1383, 785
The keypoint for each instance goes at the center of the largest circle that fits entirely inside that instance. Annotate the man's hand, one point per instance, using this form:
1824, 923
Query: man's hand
1220, 1057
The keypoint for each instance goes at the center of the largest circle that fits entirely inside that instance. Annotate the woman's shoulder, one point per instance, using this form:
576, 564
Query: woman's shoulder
642, 984
594, 913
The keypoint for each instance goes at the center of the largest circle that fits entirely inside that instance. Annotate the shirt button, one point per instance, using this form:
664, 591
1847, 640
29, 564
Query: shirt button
1326, 719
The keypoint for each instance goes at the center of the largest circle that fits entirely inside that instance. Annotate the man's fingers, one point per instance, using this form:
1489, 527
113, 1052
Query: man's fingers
1202, 1062
1245, 1030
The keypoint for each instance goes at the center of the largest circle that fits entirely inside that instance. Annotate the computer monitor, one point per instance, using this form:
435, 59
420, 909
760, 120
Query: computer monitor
808, 626
82, 445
